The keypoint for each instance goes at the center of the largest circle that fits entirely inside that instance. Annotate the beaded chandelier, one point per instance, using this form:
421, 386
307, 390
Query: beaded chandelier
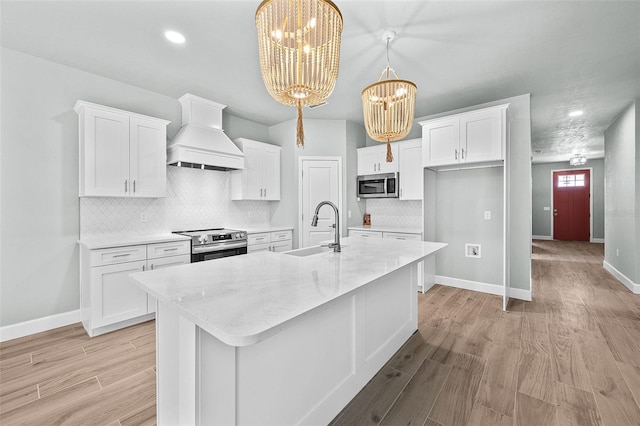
389, 105
299, 45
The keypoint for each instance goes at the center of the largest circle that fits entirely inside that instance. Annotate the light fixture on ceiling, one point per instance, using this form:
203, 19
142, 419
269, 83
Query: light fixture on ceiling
388, 104
174, 37
577, 160
299, 47
575, 113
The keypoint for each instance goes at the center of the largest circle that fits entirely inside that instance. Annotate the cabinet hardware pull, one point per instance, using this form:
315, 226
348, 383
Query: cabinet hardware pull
125, 186
152, 266
134, 186
260, 192
122, 255
259, 239
456, 154
171, 249
463, 153
265, 192
142, 268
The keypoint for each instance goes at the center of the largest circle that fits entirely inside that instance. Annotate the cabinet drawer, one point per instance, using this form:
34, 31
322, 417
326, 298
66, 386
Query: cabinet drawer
365, 234
280, 236
281, 246
402, 236
261, 238
116, 255
173, 248
254, 248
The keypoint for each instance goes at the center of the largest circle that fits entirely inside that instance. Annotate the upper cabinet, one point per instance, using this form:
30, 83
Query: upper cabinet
373, 160
260, 179
410, 169
122, 154
471, 139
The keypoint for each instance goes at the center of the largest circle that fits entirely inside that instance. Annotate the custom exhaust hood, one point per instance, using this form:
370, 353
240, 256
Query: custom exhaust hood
201, 142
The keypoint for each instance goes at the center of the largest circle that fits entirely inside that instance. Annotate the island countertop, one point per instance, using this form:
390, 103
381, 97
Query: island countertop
242, 300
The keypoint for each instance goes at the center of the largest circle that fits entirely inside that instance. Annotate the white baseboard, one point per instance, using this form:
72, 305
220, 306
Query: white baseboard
542, 237
597, 240
13, 331
515, 293
633, 287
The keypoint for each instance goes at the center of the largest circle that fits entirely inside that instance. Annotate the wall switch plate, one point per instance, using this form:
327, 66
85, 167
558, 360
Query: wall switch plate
143, 217
546, 209
472, 250
487, 215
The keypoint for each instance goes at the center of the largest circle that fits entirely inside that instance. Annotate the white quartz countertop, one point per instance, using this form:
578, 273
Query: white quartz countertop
242, 300
388, 229
258, 230
117, 240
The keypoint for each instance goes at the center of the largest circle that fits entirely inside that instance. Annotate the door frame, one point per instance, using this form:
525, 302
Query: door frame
590, 198
301, 159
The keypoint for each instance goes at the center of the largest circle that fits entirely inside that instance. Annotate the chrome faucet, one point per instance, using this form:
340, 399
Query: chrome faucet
314, 222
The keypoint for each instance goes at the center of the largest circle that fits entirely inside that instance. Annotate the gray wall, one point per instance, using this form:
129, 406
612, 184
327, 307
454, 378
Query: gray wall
519, 151
329, 138
39, 223
462, 197
542, 196
622, 168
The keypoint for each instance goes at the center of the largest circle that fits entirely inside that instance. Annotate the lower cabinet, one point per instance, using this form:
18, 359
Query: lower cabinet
276, 241
109, 299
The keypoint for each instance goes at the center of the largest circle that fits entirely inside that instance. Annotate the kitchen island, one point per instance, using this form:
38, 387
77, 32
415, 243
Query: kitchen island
280, 338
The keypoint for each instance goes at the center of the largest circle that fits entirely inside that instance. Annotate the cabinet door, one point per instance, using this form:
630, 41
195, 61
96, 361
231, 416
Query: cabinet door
440, 142
252, 174
161, 263
148, 158
271, 171
410, 170
368, 161
281, 246
255, 248
481, 136
104, 140
115, 297
383, 165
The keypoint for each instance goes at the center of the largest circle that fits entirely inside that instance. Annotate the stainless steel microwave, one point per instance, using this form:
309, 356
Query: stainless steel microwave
384, 185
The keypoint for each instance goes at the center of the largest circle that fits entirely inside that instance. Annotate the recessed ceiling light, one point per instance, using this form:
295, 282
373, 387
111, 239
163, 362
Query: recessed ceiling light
575, 113
174, 37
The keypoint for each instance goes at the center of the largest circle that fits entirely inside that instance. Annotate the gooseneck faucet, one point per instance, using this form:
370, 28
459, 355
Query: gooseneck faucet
314, 222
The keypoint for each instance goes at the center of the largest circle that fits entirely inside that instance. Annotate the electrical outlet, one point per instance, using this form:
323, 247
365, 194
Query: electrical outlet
546, 209
143, 217
487, 215
472, 250
349, 213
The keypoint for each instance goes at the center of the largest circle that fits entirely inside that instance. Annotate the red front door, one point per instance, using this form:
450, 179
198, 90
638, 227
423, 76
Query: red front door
571, 205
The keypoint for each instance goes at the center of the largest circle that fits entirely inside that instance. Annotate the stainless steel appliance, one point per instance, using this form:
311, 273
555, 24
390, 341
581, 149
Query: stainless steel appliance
385, 185
207, 244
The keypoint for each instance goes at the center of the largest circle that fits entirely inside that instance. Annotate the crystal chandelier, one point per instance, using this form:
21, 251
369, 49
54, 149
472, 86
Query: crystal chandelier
388, 104
577, 160
299, 46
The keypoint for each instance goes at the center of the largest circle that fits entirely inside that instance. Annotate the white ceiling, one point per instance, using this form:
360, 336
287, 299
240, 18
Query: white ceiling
567, 54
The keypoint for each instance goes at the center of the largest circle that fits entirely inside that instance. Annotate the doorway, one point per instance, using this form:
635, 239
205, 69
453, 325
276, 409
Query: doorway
571, 220
320, 179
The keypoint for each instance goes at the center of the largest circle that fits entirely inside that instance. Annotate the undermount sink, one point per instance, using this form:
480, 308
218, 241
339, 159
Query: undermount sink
308, 251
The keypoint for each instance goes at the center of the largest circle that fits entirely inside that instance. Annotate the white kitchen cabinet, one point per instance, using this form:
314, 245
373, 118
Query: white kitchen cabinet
109, 299
122, 154
471, 139
260, 180
373, 159
276, 241
410, 169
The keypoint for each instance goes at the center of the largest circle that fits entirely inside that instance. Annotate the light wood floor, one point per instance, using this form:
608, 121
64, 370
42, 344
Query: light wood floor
570, 357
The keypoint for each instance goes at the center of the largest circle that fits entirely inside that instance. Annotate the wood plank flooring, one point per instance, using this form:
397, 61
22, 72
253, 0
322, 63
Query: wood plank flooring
570, 357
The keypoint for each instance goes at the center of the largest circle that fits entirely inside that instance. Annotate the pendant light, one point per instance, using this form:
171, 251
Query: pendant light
299, 47
578, 160
389, 104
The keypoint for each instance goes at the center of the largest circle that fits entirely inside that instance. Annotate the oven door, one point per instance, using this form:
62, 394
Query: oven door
200, 254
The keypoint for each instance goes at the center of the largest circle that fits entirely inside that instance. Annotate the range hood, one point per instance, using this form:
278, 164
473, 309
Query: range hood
201, 142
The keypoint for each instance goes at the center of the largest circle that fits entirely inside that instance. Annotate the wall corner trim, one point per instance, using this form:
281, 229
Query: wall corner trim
633, 287
481, 287
542, 237
26, 328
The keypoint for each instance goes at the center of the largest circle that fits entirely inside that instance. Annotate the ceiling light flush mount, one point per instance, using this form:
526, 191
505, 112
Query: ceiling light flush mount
577, 160
299, 47
389, 104
174, 37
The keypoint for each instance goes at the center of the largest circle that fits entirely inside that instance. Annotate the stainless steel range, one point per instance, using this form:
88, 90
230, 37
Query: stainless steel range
207, 244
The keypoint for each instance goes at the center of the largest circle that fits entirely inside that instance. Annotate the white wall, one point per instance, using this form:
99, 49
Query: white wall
40, 218
622, 168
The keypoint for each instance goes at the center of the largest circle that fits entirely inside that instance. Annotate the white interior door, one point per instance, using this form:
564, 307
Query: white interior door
320, 181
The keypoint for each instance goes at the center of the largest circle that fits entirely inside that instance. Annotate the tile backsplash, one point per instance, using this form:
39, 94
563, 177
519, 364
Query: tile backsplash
395, 213
196, 199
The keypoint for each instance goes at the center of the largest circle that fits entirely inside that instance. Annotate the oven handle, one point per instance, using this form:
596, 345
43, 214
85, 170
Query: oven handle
218, 247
